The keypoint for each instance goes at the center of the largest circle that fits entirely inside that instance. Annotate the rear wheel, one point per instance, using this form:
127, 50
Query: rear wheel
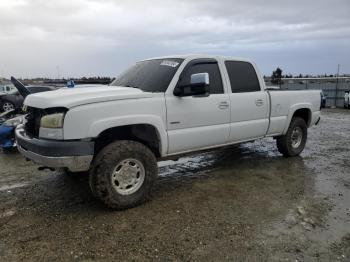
123, 174
293, 142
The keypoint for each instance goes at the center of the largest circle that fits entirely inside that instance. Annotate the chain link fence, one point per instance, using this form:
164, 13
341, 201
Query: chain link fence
333, 87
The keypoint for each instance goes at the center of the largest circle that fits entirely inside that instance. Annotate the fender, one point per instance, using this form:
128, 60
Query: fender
99, 126
293, 109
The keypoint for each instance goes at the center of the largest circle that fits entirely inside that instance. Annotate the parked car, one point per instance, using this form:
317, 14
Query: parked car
14, 99
9, 120
6, 89
158, 109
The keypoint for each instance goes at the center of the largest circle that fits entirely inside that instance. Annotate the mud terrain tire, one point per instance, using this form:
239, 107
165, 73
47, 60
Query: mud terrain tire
133, 164
293, 142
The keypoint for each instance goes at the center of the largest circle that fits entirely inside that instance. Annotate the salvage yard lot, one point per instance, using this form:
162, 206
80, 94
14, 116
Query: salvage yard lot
242, 202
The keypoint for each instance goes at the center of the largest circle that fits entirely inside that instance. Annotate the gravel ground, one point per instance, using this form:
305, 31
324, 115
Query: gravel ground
241, 203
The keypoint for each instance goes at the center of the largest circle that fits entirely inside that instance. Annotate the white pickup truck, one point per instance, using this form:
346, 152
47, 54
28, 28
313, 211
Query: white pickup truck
157, 109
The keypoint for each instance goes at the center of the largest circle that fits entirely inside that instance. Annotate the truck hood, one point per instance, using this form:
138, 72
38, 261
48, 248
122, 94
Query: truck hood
71, 97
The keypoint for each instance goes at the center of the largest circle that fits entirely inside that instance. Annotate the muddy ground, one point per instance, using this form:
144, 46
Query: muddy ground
241, 203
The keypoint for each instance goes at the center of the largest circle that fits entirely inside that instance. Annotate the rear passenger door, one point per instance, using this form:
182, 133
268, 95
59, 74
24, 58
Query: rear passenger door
249, 104
202, 121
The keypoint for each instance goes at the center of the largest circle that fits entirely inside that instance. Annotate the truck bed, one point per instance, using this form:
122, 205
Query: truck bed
282, 102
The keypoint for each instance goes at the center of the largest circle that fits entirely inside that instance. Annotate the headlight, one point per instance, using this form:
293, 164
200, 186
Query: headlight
14, 121
52, 121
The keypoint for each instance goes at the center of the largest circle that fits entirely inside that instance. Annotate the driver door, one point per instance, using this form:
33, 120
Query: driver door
196, 122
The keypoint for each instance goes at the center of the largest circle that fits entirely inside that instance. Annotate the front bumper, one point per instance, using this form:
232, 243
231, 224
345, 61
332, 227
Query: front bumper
74, 155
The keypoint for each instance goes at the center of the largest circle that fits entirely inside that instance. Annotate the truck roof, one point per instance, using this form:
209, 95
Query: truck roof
196, 56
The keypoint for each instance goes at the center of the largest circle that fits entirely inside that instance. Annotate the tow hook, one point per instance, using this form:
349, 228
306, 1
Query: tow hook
42, 168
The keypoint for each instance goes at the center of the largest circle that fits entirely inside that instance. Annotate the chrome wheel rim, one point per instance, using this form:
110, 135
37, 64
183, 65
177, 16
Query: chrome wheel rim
128, 176
297, 137
7, 106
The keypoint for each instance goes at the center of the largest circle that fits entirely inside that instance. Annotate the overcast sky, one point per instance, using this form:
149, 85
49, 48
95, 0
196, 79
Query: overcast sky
41, 38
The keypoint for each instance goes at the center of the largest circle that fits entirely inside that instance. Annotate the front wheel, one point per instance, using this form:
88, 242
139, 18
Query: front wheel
123, 174
7, 106
293, 142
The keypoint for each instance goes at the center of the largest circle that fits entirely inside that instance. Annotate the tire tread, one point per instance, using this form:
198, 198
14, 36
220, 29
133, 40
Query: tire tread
103, 164
284, 142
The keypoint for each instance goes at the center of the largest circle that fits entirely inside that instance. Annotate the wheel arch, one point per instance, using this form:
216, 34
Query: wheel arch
149, 133
300, 110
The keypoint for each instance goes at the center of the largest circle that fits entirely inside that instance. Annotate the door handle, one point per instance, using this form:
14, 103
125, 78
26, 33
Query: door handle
259, 102
223, 105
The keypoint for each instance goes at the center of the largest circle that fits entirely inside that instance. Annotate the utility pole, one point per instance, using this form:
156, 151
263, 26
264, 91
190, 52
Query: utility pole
336, 87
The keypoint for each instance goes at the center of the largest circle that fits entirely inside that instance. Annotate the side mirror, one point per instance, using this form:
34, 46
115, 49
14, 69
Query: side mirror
198, 86
201, 79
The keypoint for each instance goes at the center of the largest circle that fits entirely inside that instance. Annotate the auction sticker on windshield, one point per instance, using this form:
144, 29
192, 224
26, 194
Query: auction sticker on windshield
169, 63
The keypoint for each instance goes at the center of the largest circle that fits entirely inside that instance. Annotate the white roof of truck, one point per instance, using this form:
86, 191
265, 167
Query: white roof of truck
196, 56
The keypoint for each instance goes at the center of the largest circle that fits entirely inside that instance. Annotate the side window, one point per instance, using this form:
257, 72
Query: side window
212, 68
242, 76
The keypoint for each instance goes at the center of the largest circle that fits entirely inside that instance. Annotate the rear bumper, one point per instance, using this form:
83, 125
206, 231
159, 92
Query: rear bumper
74, 155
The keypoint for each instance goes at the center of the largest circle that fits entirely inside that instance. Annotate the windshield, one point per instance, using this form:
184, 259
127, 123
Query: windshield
150, 76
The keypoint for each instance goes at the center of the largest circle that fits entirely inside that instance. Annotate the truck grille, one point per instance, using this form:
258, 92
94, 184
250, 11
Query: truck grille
33, 118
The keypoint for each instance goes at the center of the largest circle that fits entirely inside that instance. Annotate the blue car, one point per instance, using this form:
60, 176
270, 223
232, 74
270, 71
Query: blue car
8, 122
